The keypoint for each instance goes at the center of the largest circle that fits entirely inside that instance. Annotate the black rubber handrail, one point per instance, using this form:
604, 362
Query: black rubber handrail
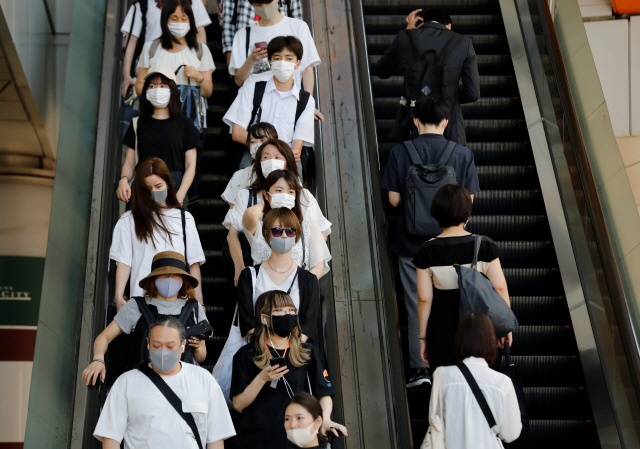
605, 249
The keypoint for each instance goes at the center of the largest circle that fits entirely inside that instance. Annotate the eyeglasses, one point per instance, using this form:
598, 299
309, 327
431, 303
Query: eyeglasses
277, 232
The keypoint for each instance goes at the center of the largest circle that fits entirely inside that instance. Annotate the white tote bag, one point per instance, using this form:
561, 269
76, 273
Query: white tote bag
434, 439
223, 370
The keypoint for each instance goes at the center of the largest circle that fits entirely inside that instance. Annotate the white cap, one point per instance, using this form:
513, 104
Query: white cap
163, 70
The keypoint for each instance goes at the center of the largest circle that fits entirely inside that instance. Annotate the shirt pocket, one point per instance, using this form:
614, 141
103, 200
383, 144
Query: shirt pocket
199, 411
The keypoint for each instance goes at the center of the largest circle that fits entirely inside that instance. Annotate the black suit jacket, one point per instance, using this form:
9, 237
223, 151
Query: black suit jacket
462, 65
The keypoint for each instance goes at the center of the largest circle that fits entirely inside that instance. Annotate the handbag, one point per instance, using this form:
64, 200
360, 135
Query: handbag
478, 295
509, 370
434, 439
173, 399
227, 260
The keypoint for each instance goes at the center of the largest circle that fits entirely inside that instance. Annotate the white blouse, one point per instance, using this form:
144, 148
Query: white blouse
241, 179
310, 211
265, 284
464, 423
187, 56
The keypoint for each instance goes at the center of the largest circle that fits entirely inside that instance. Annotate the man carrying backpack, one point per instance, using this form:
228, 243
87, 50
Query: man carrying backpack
415, 171
433, 59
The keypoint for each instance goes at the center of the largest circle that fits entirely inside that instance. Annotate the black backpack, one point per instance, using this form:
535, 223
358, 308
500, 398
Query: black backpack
144, 7
422, 183
428, 71
258, 95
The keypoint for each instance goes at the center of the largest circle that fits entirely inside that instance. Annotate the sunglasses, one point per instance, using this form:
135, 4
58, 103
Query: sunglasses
277, 232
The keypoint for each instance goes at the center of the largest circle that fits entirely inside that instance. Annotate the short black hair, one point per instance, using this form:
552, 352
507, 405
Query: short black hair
451, 205
260, 131
435, 15
476, 337
432, 110
279, 43
260, 2
175, 106
169, 321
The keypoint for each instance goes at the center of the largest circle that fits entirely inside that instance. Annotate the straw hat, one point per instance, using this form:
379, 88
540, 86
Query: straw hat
169, 262
163, 70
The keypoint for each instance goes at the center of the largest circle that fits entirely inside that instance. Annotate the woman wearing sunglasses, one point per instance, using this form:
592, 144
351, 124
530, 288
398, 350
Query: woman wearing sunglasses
279, 271
272, 155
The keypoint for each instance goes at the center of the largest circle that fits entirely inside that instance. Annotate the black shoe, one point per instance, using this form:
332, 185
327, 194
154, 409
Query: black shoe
419, 378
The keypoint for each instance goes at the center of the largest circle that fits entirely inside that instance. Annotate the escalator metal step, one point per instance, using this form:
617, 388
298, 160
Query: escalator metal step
490, 86
503, 130
451, 6
526, 281
462, 23
541, 310
496, 202
488, 65
486, 107
495, 44
548, 340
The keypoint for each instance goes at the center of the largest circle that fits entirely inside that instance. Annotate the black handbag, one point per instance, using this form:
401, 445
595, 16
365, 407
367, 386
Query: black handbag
509, 370
227, 260
478, 295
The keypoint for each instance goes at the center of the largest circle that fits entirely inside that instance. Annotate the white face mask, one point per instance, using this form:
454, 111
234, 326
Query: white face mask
302, 437
282, 200
271, 165
159, 97
254, 149
283, 70
178, 29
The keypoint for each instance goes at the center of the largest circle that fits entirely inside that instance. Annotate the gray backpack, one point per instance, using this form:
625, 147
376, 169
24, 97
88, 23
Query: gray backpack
422, 183
478, 295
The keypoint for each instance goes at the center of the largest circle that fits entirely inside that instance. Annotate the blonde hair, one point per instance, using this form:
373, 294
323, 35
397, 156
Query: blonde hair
266, 302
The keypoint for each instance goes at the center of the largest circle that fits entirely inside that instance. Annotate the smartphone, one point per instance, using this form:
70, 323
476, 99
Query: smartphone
277, 361
261, 45
332, 435
201, 330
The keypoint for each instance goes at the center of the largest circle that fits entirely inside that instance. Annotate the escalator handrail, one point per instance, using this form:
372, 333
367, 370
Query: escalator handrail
612, 275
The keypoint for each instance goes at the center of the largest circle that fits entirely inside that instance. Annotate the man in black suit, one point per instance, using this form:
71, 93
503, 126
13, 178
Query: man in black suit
426, 38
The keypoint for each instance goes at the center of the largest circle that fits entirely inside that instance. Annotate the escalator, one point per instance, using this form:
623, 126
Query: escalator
509, 209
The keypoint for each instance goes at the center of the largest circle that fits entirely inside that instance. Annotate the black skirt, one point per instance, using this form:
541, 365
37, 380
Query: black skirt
441, 328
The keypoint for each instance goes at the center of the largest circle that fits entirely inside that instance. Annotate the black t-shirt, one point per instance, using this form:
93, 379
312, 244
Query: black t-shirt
261, 424
430, 148
167, 139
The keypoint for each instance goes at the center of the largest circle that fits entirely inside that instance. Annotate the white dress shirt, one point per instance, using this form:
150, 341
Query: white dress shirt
154, 30
278, 108
465, 425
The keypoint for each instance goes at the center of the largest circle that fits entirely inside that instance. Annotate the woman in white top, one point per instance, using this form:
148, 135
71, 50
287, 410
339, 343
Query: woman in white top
282, 190
153, 224
179, 49
272, 155
243, 178
465, 425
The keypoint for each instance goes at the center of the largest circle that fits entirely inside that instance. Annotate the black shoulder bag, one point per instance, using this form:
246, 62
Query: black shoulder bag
184, 239
227, 261
173, 399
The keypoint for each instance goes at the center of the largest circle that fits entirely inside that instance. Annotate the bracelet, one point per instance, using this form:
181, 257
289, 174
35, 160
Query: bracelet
125, 176
201, 81
98, 360
421, 338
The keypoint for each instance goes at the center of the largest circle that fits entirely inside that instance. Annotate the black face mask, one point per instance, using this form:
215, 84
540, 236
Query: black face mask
284, 325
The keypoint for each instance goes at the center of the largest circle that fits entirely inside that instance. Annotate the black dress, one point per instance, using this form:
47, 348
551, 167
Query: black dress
438, 256
261, 424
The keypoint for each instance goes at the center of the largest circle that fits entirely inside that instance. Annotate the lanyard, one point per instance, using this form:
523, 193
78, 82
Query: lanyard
274, 348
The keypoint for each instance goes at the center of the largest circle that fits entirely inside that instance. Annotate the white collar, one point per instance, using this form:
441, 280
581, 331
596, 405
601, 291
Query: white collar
475, 361
295, 90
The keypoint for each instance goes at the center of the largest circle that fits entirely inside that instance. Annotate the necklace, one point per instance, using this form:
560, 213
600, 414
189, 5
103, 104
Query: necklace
279, 272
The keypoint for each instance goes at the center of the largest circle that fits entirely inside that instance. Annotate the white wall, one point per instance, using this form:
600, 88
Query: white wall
595, 8
42, 53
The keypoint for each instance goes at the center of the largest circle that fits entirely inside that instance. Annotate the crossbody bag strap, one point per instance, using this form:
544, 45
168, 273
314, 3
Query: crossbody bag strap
301, 105
248, 35
153, 48
448, 151
413, 153
293, 282
184, 238
475, 389
304, 249
133, 20
186, 311
173, 399
258, 95
134, 121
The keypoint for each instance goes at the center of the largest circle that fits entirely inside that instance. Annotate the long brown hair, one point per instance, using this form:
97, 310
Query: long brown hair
311, 404
292, 182
266, 302
147, 214
284, 150
186, 291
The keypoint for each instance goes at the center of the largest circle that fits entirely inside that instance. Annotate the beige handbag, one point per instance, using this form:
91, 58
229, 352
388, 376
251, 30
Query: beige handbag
434, 439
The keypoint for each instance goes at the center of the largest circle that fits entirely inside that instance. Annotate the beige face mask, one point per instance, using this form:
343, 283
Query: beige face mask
267, 11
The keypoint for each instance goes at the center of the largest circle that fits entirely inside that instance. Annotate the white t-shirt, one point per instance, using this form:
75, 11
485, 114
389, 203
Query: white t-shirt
137, 411
154, 31
278, 108
286, 27
127, 249
265, 284
464, 423
309, 205
188, 56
